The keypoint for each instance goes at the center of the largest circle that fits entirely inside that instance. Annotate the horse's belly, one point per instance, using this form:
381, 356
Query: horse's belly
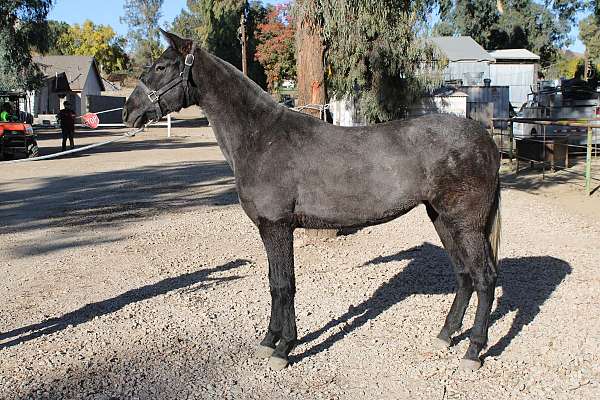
349, 212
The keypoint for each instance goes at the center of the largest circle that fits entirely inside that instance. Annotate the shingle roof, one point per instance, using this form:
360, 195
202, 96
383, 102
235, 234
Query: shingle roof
76, 68
513, 54
461, 48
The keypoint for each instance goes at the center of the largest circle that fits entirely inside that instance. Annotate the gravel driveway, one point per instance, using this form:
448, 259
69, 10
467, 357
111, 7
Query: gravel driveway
132, 273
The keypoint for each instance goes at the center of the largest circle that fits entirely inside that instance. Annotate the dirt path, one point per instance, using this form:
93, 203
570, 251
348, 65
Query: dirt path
132, 273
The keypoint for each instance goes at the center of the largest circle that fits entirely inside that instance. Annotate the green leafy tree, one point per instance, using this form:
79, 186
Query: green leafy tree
55, 30
143, 19
23, 28
276, 50
589, 33
99, 41
214, 25
375, 50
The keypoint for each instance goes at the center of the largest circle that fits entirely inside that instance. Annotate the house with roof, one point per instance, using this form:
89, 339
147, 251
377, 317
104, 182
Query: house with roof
468, 62
67, 78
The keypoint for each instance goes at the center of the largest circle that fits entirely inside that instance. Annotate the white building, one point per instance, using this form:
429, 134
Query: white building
517, 69
69, 78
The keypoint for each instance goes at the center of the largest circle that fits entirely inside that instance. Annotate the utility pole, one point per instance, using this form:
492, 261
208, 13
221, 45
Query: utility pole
244, 39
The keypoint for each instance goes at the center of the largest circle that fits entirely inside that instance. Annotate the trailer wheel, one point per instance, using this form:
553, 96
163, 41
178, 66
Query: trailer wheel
33, 150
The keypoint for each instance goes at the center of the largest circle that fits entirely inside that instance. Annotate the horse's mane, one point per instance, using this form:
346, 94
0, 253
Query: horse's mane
236, 76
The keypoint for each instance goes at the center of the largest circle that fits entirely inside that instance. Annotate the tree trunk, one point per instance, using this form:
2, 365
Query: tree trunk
310, 70
311, 86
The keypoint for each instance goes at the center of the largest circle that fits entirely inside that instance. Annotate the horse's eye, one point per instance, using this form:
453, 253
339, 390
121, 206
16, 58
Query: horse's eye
160, 67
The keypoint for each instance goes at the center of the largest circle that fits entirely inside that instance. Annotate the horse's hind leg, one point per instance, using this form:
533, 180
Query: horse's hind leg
281, 335
479, 263
464, 288
457, 311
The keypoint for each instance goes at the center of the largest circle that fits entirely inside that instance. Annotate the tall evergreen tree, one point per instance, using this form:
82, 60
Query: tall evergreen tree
374, 50
143, 18
589, 33
23, 28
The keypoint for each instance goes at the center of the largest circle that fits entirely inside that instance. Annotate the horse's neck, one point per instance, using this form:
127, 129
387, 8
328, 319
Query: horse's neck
237, 109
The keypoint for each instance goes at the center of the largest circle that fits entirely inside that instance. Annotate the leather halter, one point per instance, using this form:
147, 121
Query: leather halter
183, 78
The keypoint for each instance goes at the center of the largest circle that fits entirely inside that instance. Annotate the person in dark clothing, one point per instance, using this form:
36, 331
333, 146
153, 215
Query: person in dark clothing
66, 116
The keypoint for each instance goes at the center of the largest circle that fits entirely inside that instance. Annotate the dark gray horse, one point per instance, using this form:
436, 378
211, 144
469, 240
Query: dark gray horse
293, 170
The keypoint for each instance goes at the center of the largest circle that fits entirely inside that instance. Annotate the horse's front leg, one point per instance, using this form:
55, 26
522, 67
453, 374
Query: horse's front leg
281, 336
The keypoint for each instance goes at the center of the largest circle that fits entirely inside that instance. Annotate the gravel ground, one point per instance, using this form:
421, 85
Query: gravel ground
132, 273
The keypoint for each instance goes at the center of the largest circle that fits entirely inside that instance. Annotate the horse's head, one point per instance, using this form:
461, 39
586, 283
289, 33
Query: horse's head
165, 87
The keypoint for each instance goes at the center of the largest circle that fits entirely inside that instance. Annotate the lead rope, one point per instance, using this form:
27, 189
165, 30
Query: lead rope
126, 135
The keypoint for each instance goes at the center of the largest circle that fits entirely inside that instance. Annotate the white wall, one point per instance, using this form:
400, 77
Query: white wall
519, 77
458, 69
456, 105
92, 87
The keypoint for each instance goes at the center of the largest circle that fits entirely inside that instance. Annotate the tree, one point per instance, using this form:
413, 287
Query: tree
23, 28
542, 27
55, 30
214, 25
589, 32
99, 41
374, 50
276, 50
143, 18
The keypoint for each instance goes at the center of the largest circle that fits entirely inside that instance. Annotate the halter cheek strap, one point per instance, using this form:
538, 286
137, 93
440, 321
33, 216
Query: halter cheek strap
183, 78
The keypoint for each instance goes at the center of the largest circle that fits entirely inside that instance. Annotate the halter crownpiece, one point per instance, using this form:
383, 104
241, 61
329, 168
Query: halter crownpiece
183, 78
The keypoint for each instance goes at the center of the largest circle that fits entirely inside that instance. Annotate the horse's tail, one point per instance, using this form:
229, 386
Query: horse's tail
495, 225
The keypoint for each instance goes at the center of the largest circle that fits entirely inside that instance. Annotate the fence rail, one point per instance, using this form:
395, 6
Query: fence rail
553, 145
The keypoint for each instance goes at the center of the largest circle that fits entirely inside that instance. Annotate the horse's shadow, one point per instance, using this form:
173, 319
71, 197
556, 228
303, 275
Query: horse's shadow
526, 282
108, 306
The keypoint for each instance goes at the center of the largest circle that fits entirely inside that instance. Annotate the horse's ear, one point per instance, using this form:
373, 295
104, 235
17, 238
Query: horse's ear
184, 46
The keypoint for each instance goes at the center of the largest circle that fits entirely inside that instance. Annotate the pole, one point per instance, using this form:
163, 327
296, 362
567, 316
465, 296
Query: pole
169, 125
244, 41
588, 162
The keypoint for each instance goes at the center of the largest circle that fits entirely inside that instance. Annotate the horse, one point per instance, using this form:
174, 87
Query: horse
293, 170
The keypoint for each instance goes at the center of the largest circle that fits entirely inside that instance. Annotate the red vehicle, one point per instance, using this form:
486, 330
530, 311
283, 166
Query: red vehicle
17, 138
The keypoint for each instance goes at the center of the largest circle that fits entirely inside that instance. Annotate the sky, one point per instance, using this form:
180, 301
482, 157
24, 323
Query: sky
107, 12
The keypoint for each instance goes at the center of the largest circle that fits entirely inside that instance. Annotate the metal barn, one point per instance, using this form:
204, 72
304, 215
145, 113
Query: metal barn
467, 60
516, 68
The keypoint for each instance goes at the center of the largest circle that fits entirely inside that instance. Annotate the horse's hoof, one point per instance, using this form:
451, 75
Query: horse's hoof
277, 363
441, 344
469, 365
264, 351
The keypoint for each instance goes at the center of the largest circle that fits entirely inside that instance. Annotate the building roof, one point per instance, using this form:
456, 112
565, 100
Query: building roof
513, 54
448, 91
461, 48
76, 68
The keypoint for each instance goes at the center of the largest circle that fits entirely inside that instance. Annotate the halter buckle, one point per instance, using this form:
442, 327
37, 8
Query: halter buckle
189, 60
153, 96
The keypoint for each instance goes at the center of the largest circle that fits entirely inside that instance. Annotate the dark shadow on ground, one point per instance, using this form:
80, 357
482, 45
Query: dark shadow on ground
51, 246
116, 197
90, 311
526, 282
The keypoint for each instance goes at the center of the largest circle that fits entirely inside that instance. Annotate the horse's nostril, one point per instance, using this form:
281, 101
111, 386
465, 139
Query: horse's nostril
124, 114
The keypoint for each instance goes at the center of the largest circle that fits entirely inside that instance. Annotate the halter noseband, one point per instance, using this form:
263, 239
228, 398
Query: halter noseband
183, 78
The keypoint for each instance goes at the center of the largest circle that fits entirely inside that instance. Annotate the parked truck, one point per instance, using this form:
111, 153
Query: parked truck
567, 100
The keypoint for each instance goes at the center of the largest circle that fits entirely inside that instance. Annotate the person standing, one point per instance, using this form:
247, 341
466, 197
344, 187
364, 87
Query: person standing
6, 114
66, 116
